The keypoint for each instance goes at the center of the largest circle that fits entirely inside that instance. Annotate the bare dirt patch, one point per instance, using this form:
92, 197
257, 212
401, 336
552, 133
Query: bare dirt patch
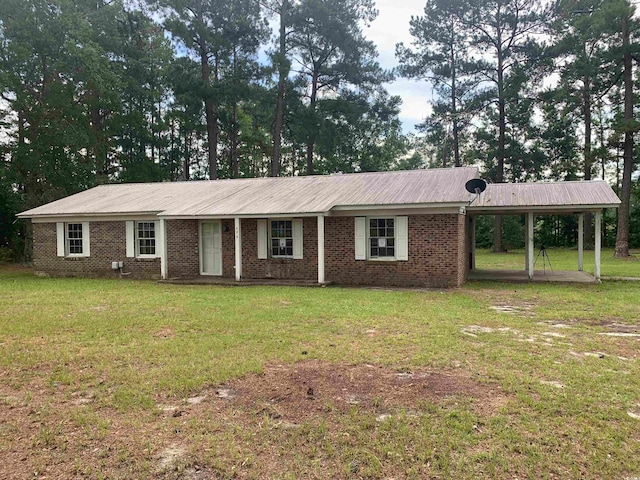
313, 389
236, 430
165, 333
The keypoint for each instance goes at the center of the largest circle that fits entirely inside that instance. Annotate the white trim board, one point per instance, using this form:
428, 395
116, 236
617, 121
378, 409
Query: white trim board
87, 218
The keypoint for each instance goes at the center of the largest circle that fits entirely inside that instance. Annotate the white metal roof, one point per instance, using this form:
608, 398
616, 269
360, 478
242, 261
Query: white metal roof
551, 195
267, 196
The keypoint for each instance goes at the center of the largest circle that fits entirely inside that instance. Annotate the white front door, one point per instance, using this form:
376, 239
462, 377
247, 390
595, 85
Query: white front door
211, 248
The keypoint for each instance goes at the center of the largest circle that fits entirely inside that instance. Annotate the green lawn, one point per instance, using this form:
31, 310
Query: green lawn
122, 379
562, 259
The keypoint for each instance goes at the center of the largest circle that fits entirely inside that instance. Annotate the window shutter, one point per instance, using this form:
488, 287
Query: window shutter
131, 239
402, 238
297, 238
361, 238
159, 237
60, 238
86, 240
262, 239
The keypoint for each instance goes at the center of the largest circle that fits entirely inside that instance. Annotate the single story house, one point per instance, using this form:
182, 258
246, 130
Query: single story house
405, 228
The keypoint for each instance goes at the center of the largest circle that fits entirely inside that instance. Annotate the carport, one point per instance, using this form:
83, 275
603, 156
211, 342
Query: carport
535, 199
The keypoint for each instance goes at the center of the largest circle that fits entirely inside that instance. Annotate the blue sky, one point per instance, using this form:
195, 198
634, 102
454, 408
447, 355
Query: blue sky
390, 28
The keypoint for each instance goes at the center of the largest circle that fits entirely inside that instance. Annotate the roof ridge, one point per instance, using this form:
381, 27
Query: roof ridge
329, 175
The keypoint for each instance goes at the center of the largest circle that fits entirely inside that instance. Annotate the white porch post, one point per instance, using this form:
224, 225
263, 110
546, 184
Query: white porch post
320, 249
238, 244
164, 265
581, 242
598, 242
530, 244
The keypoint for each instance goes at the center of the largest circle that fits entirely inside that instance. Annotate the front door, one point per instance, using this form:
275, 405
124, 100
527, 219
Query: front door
211, 248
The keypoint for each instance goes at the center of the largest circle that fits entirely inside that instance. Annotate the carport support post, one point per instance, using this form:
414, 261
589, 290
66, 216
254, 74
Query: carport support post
320, 249
527, 253
598, 239
581, 242
238, 238
530, 244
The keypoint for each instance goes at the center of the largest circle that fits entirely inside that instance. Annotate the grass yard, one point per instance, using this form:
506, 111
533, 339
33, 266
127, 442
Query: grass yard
562, 259
125, 379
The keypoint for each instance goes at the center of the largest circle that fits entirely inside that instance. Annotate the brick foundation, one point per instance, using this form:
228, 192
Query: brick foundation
438, 253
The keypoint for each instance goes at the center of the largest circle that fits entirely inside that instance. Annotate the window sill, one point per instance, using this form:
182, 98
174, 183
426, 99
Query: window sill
388, 259
146, 259
74, 258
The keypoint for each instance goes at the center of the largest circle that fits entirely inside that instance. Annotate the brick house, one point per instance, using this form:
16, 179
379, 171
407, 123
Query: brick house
411, 228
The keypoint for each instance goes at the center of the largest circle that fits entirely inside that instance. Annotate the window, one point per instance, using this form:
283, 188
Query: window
382, 238
146, 238
281, 238
74, 239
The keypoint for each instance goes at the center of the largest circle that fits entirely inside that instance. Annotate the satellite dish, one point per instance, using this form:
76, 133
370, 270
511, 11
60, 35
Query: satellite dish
476, 185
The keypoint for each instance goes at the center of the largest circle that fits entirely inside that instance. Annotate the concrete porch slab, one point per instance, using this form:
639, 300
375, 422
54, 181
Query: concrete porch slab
539, 276
207, 280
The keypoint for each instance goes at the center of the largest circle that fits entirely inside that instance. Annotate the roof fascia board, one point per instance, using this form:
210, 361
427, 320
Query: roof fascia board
399, 206
146, 216
398, 211
243, 215
549, 209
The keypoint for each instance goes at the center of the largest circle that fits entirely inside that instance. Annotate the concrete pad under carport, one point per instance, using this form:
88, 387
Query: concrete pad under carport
522, 276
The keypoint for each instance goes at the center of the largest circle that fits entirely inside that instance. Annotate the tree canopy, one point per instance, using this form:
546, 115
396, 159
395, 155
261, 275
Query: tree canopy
176, 90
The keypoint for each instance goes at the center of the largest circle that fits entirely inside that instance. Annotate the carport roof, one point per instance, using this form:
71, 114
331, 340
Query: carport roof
545, 197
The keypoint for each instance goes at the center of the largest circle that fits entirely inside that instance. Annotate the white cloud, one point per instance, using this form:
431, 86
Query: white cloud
392, 27
416, 101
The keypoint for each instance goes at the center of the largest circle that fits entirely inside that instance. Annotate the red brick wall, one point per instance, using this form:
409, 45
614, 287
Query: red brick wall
183, 256
438, 253
302, 269
108, 244
434, 254
229, 248
463, 245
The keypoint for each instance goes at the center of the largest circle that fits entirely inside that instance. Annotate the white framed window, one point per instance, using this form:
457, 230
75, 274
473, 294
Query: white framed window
73, 239
146, 239
143, 238
281, 238
382, 238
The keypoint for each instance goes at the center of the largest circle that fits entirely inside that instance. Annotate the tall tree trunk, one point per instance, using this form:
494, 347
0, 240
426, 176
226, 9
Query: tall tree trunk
311, 139
187, 163
233, 142
210, 112
588, 160
502, 128
622, 238
603, 160
172, 161
454, 103
283, 72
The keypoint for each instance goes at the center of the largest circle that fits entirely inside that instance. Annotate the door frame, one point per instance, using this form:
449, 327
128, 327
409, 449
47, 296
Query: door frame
201, 249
